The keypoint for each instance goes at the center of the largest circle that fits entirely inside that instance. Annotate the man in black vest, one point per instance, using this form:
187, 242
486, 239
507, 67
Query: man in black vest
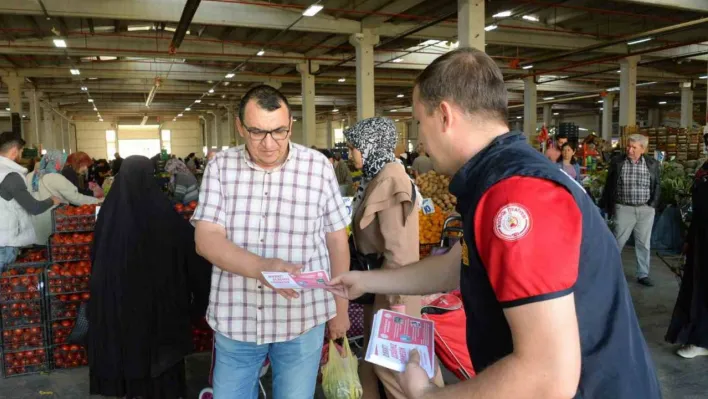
549, 313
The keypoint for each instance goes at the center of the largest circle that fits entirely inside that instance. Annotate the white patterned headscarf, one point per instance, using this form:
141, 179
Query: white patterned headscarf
376, 139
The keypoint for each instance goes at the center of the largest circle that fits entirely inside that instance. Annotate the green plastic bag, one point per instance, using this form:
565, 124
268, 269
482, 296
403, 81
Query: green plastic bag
340, 376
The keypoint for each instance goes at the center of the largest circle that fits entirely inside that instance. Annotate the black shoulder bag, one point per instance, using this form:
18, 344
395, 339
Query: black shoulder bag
361, 262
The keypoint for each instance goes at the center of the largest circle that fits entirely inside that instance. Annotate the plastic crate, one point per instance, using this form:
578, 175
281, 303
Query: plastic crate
66, 356
21, 282
24, 362
35, 256
69, 218
71, 253
60, 331
68, 278
21, 313
66, 306
24, 337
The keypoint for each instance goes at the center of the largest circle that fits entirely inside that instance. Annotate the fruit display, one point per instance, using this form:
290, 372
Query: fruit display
68, 277
27, 337
32, 256
202, 337
435, 186
24, 362
61, 330
430, 226
19, 313
66, 306
74, 218
68, 356
186, 210
20, 283
71, 246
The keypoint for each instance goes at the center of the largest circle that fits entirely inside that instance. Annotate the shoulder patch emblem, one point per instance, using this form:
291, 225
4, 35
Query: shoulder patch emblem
512, 222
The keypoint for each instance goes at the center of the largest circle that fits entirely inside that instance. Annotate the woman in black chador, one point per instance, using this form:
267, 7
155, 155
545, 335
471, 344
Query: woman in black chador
147, 285
689, 323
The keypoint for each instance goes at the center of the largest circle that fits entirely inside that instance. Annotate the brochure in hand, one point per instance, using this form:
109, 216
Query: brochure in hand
307, 280
394, 335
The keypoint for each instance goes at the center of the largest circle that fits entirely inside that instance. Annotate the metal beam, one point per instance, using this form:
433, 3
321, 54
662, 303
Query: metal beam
396, 7
688, 5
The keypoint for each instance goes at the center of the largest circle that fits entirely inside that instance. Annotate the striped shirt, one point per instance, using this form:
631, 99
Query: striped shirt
281, 213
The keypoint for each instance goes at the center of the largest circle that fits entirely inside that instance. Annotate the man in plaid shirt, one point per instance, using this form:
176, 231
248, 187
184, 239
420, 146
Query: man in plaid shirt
270, 205
630, 198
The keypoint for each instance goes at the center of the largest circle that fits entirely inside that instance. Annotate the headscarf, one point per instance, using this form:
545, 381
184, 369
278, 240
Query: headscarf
174, 165
376, 139
52, 162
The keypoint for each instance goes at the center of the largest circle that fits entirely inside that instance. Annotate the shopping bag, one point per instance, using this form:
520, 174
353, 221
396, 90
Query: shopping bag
340, 377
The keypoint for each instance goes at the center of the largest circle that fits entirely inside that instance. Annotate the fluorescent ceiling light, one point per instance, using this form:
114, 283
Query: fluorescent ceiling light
671, 92
187, 109
211, 90
549, 98
180, 115
342, 80
619, 71
394, 110
312, 10
95, 109
75, 71
527, 67
600, 101
556, 113
90, 100
7, 109
229, 75
646, 39
582, 129
530, 18
260, 52
174, 119
397, 60
223, 96
84, 88
646, 83
703, 77
135, 28
335, 110
490, 27
227, 83
197, 101
518, 117
397, 120
294, 120
613, 89
502, 14
662, 102
59, 43
400, 96
100, 119
93, 78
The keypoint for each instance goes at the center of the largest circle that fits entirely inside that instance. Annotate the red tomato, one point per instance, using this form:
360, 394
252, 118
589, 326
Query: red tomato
193, 205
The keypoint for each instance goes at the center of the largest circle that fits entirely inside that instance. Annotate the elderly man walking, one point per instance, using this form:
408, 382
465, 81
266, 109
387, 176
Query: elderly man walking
631, 195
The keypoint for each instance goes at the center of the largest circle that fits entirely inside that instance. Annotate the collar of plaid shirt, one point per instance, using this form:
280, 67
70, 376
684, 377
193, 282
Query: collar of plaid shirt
283, 213
249, 159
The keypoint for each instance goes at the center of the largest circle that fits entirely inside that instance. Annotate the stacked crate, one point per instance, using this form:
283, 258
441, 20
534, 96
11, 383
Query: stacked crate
23, 315
68, 281
683, 144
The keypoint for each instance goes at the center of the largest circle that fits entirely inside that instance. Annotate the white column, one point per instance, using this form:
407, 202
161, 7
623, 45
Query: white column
47, 138
330, 134
309, 117
686, 104
607, 108
470, 23
233, 140
547, 114
58, 133
364, 43
529, 106
628, 91
33, 137
216, 130
14, 92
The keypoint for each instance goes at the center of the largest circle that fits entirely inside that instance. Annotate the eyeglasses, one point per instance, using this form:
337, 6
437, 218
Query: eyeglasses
260, 135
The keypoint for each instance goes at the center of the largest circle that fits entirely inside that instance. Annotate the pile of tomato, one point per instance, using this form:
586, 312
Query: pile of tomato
186, 210
22, 362
74, 218
69, 277
68, 356
17, 313
32, 256
20, 284
69, 211
71, 247
23, 338
66, 306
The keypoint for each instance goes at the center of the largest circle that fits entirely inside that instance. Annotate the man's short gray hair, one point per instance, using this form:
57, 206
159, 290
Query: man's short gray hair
639, 138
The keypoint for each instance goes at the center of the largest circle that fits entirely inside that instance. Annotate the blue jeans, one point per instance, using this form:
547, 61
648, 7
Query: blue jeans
295, 365
8, 255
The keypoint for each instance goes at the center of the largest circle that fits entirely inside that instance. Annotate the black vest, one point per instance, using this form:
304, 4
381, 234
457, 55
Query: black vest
615, 357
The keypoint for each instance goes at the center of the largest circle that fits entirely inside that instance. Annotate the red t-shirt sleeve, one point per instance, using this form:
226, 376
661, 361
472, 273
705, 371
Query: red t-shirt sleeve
528, 232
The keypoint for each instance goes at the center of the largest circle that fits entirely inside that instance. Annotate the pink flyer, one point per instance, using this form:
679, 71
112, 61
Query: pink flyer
307, 280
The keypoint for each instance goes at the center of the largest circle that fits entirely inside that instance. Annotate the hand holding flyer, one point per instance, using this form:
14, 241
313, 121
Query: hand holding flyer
307, 280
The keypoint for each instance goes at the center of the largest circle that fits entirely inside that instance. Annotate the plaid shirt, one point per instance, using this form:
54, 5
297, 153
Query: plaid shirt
634, 184
282, 213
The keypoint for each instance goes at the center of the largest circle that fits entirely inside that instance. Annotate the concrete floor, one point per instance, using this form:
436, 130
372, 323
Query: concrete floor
680, 378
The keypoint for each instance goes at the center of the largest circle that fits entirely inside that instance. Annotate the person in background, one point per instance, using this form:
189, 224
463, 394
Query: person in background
183, 185
16, 203
292, 197
549, 314
101, 170
147, 286
554, 152
568, 163
48, 182
344, 176
689, 322
385, 211
117, 162
632, 193
77, 164
191, 162
422, 163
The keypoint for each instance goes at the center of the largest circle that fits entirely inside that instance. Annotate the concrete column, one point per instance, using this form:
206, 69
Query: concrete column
65, 145
547, 114
58, 133
607, 108
233, 139
686, 104
33, 137
14, 92
309, 117
47, 138
276, 84
207, 133
654, 117
628, 91
364, 43
330, 134
216, 130
470, 23
517, 125
529, 106
598, 124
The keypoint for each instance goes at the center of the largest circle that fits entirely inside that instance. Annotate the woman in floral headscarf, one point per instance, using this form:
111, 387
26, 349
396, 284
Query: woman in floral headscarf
49, 182
183, 184
385, 222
